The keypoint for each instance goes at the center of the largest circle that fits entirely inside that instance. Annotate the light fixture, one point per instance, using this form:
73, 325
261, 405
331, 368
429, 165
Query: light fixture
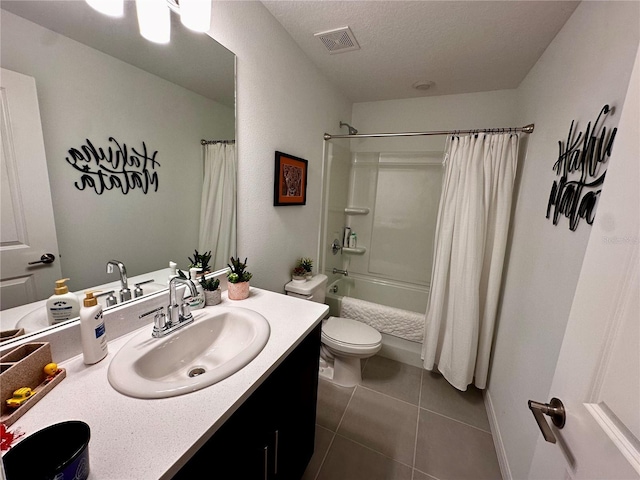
194, 14
154, 20
154, 16
113, 8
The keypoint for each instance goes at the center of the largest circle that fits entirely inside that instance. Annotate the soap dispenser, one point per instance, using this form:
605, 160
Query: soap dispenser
92, 330
197, 301
173, 271
62, 305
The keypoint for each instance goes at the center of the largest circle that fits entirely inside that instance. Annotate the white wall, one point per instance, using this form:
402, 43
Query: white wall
85, 94
587, 65
445, 112
284, 104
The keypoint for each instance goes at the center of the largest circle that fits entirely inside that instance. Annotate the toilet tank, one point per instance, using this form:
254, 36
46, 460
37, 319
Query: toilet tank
313, 289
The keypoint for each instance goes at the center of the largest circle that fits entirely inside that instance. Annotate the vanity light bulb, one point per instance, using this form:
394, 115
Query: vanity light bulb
154, 20
113, 8
196, 14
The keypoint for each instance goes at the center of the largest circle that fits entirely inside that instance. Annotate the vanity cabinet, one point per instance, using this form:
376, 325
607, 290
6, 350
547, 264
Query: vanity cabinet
271, 435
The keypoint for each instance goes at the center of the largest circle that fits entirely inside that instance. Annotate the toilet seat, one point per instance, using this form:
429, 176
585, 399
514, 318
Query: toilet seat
350, 336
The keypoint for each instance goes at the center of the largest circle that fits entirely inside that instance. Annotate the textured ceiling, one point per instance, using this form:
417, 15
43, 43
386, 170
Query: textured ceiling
461, 46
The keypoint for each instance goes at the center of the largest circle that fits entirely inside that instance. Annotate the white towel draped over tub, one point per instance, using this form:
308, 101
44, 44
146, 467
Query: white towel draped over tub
393, 321
471, 238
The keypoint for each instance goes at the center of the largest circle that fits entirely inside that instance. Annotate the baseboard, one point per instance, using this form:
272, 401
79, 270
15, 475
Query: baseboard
497, 438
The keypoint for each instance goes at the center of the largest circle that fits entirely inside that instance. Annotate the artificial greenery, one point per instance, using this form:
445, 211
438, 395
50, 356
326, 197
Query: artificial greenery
306, 263
237, 273
200, 261
210, 284
298, 271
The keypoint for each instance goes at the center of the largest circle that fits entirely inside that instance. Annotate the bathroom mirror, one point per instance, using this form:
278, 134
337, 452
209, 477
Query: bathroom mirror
100, 82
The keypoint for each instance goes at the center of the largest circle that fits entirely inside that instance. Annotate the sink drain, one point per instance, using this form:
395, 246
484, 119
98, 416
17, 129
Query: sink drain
195, 371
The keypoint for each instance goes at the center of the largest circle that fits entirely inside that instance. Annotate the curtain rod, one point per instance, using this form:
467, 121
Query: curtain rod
212, 142
526, 129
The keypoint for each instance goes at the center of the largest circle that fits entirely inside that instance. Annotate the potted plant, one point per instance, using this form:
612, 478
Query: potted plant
200, 261
299, 274
238, 278
212, 292
307, 264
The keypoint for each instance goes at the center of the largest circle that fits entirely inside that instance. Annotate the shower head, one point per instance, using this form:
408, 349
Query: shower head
352, 131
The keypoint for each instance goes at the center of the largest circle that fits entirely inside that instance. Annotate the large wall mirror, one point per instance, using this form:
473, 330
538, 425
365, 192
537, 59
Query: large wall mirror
100, 83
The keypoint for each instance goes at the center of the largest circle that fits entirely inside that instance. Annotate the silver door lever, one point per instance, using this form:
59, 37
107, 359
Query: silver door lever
555, 410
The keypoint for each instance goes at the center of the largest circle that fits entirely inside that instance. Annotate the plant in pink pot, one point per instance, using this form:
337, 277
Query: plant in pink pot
238, 279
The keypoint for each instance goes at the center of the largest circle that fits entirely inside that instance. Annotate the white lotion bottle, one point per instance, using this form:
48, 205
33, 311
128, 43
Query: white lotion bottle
92, 330
62, 305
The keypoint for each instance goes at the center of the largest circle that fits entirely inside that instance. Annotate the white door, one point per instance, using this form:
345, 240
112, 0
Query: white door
28, 230
598, 372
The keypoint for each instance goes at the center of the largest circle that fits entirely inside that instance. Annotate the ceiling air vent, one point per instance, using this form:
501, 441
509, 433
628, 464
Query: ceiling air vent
338, 40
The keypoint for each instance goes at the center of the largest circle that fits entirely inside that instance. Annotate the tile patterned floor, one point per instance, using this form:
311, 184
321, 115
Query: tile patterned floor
401, 423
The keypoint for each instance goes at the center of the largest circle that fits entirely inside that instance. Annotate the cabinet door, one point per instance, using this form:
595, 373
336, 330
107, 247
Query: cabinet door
271, 435
295, 407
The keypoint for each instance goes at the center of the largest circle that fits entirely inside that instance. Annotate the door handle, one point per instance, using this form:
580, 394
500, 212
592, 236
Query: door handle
46, 258
555, 410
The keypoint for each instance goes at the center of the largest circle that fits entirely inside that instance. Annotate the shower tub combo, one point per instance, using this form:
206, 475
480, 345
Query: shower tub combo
396, 310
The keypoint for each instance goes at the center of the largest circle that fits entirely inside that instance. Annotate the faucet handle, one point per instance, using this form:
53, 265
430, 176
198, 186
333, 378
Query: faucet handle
185, 312
125, 294
111, 299
159, 324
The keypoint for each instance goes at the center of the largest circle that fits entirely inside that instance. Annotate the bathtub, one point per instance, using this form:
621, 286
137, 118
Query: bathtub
383, 292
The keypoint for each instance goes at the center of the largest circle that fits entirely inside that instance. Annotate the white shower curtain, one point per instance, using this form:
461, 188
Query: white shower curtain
218, 206
471, 237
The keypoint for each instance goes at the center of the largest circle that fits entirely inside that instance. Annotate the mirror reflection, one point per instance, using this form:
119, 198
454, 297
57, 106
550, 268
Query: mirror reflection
122, 165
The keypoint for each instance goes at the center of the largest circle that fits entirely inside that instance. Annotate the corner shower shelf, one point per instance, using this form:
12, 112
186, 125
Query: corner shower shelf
354, 251
356, 210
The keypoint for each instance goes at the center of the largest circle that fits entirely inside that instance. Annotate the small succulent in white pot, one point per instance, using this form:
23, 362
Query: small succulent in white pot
212, 293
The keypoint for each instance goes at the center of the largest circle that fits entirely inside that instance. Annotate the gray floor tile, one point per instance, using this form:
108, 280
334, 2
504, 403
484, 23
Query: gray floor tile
440, 397
323, 440
450, 450
384, 424
349, 461
393, 378
332, 402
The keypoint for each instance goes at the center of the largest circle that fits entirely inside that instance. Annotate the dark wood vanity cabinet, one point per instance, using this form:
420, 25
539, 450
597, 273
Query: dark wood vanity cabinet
271, 435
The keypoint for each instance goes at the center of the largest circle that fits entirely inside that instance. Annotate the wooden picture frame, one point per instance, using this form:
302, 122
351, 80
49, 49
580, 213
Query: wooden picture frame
290, 180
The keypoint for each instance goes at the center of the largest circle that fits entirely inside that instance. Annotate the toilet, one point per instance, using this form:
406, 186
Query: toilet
344, 341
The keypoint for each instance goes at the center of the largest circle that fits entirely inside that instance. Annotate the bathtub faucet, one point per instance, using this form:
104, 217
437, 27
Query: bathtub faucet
343, 272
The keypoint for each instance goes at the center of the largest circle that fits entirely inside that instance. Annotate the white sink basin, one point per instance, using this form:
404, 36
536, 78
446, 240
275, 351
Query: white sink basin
219, 342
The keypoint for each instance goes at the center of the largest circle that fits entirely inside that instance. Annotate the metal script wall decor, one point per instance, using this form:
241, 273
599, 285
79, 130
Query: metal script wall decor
118, 167
582, 157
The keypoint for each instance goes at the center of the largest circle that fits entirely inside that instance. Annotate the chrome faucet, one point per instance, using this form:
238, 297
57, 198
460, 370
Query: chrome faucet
343, 272
125, 293
177, 315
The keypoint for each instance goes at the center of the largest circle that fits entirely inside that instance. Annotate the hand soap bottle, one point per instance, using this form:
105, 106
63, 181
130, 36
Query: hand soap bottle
92, 330
197, 301
62, 305
173, 271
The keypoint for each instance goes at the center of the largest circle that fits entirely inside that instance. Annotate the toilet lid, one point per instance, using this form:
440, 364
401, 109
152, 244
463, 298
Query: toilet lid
346, 330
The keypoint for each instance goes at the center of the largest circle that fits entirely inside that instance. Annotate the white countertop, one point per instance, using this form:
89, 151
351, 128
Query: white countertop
152, 439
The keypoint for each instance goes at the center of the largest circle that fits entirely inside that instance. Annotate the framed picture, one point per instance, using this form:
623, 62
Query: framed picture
290, 185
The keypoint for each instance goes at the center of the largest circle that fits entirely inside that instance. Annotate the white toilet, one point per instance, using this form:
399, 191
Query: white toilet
344, 341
